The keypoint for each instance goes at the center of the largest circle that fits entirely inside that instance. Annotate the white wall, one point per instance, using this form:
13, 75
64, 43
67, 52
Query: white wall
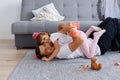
9, 13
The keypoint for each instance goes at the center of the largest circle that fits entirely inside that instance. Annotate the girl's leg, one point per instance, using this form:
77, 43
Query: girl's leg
89, 49
91, 29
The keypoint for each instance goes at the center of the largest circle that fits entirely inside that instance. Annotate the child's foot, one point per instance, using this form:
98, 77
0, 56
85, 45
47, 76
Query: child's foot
95, 28
73, 32
99, 33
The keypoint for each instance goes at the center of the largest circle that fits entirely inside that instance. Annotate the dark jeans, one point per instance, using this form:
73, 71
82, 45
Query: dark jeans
105, 41
116, 42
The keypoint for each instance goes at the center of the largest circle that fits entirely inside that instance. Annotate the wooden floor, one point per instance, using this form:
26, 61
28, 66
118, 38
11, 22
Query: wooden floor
9, 57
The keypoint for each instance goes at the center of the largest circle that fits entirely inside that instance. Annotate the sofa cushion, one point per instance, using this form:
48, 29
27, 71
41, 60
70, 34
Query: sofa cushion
28, 27
51, 5
71, 9
48, 14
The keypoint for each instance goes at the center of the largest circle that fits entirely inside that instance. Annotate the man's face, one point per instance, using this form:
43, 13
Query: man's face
46, 49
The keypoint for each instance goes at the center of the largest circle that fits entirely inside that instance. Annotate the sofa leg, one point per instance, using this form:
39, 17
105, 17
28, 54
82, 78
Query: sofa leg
18, 47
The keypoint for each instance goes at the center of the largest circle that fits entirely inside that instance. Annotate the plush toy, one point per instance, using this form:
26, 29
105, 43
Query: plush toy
95, 65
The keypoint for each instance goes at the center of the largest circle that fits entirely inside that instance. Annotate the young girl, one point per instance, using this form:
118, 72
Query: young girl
68, 47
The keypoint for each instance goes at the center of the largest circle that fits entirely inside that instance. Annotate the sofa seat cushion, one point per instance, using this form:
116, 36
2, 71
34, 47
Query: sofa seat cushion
28, 27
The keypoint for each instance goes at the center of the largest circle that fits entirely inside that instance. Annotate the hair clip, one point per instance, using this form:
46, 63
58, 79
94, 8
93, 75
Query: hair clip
35, 35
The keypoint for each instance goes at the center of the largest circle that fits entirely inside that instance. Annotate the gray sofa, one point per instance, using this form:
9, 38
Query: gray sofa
84, 11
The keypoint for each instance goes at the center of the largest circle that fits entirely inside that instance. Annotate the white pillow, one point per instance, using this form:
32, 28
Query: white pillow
47, 14
51, 5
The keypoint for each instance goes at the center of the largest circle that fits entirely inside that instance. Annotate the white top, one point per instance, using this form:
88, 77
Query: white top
65, 52
63, 38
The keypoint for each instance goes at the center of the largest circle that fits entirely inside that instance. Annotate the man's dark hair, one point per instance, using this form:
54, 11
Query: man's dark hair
38, 54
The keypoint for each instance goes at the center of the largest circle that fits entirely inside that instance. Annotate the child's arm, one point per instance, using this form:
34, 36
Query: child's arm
55, 52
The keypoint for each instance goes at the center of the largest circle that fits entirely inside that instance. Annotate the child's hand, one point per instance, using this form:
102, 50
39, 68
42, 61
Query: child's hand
45, 59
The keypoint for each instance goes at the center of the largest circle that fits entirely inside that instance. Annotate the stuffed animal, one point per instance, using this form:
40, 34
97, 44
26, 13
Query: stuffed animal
94, 64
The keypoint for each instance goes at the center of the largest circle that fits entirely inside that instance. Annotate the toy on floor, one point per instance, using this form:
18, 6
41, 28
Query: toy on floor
84, 68
94, 64
117, 64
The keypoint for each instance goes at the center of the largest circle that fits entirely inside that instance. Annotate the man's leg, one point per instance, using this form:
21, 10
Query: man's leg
115, 46
104, 22
106, 39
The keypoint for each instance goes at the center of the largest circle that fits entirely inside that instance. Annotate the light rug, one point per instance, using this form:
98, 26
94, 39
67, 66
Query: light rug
30, 69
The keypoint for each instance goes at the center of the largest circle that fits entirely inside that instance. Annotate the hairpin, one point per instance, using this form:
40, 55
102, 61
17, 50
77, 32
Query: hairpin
35, 35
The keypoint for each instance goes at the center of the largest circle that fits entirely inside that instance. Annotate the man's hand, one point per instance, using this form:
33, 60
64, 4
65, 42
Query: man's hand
45, 59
